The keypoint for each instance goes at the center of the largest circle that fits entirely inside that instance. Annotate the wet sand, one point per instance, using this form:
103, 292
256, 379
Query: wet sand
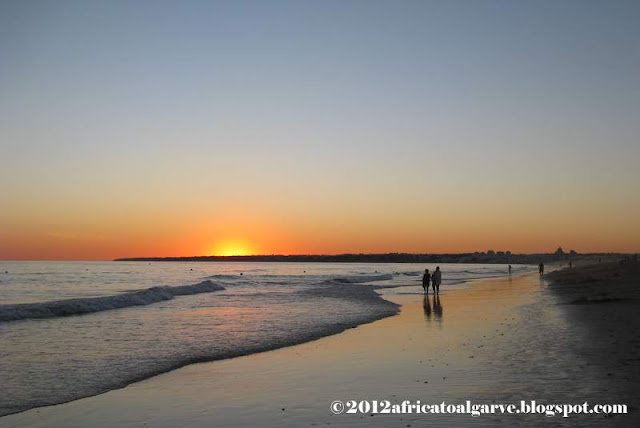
604, 299
496, 340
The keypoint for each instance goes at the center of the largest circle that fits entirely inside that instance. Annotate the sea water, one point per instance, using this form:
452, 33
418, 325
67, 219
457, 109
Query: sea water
74, 329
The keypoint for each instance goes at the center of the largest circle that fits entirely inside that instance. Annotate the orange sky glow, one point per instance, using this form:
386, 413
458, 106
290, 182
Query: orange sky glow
225, 128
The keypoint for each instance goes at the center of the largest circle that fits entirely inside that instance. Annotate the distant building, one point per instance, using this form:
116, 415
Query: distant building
559, 254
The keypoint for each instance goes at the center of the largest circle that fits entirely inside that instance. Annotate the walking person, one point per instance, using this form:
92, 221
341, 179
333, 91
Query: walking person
426, 279
436, 278
541, 269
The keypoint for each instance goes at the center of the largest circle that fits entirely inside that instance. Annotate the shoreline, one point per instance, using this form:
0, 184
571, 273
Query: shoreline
475, 346
394, 310
387, 309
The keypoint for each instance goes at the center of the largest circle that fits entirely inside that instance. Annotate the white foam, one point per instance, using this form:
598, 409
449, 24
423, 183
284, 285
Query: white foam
61, 308
361, 279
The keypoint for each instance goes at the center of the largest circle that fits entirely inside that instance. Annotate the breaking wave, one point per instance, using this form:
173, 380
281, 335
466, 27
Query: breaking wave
361, 279
62, 308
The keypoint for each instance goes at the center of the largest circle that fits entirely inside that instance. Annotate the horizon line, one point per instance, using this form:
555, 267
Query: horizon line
245, 256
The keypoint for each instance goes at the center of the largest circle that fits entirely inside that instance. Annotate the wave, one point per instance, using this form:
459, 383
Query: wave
134, 361
62, 308
223, 276
360, 279
412, 273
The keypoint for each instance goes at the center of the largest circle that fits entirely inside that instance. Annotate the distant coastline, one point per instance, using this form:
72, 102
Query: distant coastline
477, 257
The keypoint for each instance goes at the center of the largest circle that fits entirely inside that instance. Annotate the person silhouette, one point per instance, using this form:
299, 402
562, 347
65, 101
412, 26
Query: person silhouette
541, 269
426, 278
436, 278
509, 269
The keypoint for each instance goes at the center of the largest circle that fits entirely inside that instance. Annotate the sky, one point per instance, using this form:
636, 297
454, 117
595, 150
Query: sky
179, 128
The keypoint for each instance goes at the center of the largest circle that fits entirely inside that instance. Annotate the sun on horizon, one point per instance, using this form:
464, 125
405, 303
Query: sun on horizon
231, 248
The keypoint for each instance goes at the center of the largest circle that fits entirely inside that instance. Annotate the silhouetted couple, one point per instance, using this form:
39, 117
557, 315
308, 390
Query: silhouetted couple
434, 279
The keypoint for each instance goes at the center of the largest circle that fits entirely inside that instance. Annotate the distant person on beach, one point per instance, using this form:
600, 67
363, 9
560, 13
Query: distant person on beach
541, 269
426, 279
436, 278
509, 269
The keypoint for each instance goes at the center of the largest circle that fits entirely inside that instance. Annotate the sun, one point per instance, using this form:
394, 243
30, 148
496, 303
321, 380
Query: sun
232, 248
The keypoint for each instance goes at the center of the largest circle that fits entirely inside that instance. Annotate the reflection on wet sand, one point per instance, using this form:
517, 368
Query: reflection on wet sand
437, 307
427, 308
436, 310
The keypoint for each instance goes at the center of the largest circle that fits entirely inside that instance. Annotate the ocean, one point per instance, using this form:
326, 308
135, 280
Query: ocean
74, 329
